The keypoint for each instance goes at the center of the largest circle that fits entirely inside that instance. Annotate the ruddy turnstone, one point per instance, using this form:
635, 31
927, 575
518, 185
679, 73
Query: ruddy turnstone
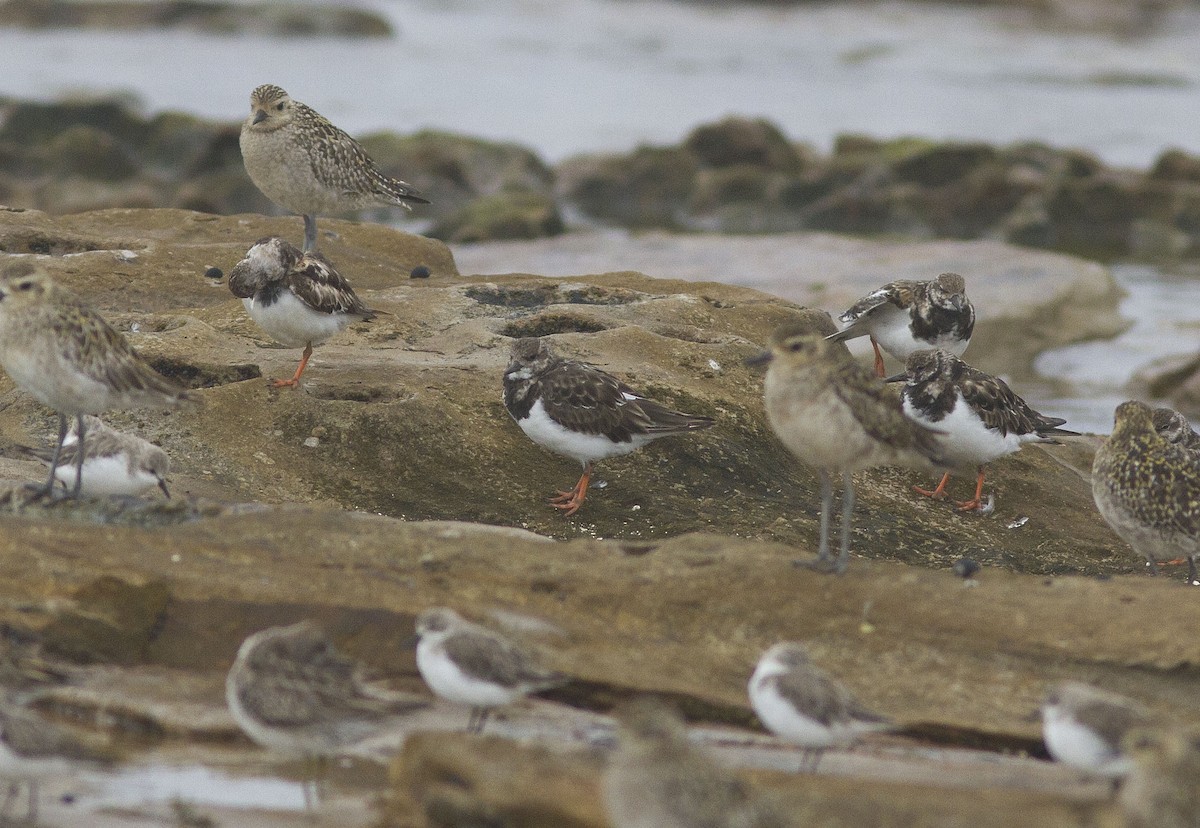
67, 357
978, 415
1175, 428
114, 462
802, 704
298, 298
1162, 790
468, 664
291, 691
834, 415
1148, 489
906, 316
581, 412
656, 778
1083, 726
306, 165
33, 748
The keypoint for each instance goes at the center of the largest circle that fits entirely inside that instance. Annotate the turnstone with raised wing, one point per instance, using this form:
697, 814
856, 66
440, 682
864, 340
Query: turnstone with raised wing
307, 165
298, 298
583, 413
836, 416
802, 704
1148, 489
469, 664
906, 316
978, 415
67, 357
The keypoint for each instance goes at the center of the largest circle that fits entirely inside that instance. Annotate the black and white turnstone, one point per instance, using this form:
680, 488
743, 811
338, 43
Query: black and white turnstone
978, 416
1083, 727
658, 778
1148, 489
64, 355
802, 704
298, 298
836, 416
466, 663
906, 316
1175, 428
307, 165
579, 411
114, 462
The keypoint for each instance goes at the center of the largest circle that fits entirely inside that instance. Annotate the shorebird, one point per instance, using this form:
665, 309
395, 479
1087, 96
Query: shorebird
466, 663
906, 316
1148, 489
583, 413
1175, 428
307, 165
291, 691
835, 416
298, 298
978, 415
802, 704
114, 462
64, 355
1083, 727
656, 778
1162, 790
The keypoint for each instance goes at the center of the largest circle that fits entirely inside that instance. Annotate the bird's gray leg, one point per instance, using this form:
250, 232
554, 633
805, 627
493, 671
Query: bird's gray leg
62, 438
310, 233
78, 457
826, 508
847, 511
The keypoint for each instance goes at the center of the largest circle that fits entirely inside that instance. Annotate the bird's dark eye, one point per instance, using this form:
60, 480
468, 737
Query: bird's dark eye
26, 285
796, 347
279, 106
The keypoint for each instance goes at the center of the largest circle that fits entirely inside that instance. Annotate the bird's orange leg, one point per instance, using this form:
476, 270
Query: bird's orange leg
939, 492
973, 505
295, 380
570, 501
880, 370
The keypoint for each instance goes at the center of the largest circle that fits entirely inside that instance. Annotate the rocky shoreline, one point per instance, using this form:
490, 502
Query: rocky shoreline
736, 176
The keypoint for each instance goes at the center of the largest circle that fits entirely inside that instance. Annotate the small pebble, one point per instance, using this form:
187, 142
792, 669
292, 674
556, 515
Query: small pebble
966, 567
214, 273
312, 442
419, 272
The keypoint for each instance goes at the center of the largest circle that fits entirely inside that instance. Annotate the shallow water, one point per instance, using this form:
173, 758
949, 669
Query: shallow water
565, 76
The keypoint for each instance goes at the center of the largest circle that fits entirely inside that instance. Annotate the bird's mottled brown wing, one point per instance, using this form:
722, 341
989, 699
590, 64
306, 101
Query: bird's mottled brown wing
900, 293
879, 411
590, 401
821, 697
1001, 409
30, 736
319, 285
504, 663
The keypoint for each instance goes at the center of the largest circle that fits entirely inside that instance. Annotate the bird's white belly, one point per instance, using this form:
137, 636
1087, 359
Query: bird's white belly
282, 170
444, 678
785, 722
55, 382
1073, 744
540, 428
107, 476
291, 322
965, 440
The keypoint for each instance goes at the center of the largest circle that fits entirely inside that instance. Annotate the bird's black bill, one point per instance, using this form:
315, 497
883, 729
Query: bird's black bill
162, 484
759, 359
260, 116
896, 378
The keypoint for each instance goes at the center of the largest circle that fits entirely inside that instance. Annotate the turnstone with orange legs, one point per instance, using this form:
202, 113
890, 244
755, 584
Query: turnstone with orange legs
579, 411
297, 298
978, 415
906, 316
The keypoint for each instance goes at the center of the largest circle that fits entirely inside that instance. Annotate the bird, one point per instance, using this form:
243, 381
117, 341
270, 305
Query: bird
1161, 790
802, 704
298, 298
466, 663
1148, 489
292, 692
33, 748
981, 418
1083, 726
305, 164
64, 355
906, 316
1175, 428
581, 412
656, 778
836, 416
114, 462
